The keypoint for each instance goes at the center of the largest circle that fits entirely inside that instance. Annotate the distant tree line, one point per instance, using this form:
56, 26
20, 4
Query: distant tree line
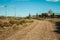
49, 14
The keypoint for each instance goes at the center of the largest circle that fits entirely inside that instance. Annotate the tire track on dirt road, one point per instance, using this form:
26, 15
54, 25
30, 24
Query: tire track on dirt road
40, 30
44, 31
21, 34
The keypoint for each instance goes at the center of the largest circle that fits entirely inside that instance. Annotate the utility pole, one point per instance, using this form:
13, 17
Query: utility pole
14, 12
5, 10
3, 7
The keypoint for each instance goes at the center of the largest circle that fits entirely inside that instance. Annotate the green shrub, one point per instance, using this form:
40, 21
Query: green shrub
22, 21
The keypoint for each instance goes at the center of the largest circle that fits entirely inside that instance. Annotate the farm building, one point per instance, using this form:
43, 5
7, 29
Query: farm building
50, 13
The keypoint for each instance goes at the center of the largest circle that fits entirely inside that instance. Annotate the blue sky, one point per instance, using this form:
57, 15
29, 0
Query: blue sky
24, 7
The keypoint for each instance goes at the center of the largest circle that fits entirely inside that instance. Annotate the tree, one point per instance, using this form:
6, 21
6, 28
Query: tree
29, 16
50, 11
37, 15
53, 15
44, 15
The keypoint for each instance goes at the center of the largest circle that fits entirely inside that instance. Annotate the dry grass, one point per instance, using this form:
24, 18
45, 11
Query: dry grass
53, 20
10, 26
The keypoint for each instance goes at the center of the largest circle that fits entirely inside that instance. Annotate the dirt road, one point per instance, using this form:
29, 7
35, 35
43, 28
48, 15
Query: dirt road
39, 30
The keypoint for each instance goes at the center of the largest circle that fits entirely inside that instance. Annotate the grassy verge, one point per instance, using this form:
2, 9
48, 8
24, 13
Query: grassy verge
56, 22
10, 26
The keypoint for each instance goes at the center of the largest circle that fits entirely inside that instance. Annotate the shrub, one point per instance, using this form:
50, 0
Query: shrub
2, 17
1, 24
22, 21
7, 24
14, 22
15, 27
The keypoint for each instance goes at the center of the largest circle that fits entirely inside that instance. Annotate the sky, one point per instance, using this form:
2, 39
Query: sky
23, 8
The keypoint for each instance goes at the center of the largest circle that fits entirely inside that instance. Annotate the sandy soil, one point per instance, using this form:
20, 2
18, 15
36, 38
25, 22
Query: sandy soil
39, 30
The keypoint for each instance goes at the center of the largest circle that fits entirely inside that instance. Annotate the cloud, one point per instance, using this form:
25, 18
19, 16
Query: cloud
53, 0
